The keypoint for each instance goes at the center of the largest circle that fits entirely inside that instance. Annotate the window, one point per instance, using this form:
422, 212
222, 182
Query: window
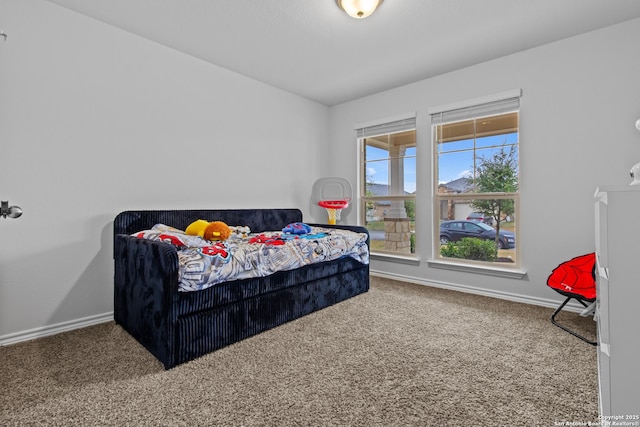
476, 177
387, 185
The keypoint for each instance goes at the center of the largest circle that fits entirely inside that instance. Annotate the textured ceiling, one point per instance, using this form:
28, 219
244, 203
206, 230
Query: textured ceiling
313, 49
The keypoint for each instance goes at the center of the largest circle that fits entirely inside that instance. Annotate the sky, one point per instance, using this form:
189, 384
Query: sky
455, 160
378, 167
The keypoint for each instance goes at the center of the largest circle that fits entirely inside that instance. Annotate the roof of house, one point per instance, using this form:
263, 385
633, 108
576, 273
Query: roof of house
380, 189
460, 185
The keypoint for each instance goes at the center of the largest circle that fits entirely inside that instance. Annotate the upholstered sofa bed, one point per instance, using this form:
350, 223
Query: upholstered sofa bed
177, 326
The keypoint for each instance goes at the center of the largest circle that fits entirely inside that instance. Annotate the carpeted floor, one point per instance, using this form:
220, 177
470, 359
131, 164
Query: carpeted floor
399, 355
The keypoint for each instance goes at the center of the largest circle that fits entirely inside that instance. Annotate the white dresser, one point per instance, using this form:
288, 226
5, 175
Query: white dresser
617, 215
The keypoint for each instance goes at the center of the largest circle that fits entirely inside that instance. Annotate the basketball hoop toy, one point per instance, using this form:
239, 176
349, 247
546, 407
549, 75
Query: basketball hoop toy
334, 207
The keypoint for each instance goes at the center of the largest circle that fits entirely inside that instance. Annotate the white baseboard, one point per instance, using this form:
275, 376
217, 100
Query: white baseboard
55, 329
107, 317
544, 302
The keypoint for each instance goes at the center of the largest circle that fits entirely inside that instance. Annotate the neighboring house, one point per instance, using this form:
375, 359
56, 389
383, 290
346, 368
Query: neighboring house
455, 209
380, 207
460, 185
458, 209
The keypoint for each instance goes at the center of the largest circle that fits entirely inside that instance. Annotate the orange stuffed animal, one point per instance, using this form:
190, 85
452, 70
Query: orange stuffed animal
217, 230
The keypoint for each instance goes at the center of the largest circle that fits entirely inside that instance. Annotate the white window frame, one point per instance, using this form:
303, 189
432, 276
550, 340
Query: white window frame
390, 125
486, 106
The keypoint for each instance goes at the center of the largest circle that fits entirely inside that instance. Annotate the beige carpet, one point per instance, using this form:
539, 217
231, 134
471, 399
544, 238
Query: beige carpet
399, 355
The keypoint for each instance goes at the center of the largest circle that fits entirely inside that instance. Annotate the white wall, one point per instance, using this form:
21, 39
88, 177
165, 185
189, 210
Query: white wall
94, 121
581, 98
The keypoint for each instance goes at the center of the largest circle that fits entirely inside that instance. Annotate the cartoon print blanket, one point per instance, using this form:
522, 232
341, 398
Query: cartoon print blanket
204, 263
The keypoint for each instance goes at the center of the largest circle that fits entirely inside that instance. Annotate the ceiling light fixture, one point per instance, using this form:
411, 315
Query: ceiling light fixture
359, 8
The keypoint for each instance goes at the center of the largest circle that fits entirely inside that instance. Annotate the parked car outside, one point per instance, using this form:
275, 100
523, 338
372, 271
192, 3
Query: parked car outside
452, 231
480, 217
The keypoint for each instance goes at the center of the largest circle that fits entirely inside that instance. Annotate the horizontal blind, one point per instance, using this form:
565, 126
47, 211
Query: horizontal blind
474, 111
387, 128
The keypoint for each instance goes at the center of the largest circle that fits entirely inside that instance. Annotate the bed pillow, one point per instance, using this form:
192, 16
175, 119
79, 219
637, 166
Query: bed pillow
180, 239
173, 236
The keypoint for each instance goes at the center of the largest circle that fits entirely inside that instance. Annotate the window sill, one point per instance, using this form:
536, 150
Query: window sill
479, 269
382, 256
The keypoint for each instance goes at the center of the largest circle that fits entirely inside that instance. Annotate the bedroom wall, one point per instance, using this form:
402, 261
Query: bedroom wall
579, 106
94, 121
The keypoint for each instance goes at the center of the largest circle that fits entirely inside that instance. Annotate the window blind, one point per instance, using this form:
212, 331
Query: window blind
387, 128
475, 109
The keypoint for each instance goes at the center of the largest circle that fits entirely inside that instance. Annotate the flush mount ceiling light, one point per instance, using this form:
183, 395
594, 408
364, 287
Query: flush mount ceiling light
358, 8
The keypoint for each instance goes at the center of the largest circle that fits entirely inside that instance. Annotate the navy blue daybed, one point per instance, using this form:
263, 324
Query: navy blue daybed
179, 326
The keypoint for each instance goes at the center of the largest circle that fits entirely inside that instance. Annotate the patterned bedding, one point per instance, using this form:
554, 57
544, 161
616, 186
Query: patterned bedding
246, 255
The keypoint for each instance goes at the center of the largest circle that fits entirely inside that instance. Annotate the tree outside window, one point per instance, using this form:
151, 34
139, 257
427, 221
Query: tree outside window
497, 174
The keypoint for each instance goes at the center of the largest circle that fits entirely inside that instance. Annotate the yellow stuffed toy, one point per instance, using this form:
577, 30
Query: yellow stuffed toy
217, 230
196, 228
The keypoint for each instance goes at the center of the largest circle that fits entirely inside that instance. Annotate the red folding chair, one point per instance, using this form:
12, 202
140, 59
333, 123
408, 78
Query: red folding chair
575, 279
